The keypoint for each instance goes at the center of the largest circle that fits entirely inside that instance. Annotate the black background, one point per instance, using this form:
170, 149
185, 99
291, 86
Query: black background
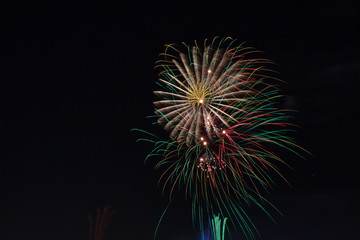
77, 77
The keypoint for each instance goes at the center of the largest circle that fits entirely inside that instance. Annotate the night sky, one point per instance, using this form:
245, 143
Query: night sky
77, 78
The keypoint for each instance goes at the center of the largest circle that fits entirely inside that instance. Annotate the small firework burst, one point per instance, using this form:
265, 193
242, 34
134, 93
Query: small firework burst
208, 164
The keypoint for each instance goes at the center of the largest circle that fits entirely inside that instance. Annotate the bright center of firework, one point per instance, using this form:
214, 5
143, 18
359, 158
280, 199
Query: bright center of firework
199, 94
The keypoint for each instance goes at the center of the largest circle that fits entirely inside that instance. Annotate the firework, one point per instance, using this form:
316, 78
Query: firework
219, 103
99, 228
215, 230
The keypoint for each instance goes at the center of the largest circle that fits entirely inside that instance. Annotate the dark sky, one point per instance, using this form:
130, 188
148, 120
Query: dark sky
77, 78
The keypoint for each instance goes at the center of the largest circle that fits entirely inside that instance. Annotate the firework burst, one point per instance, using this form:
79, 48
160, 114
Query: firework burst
219, 103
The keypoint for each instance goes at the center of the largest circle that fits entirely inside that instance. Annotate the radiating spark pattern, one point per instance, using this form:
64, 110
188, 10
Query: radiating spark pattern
219, 103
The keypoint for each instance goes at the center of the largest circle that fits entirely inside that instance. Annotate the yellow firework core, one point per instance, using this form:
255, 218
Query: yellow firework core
200, 95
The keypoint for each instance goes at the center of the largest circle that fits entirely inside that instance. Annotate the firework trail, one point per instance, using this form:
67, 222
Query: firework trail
99, 228
219, 103
215, 230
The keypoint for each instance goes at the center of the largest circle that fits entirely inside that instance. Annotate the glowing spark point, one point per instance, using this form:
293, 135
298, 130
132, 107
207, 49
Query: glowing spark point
223, 132
209, 71
202, 139
201, 101
205, 143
